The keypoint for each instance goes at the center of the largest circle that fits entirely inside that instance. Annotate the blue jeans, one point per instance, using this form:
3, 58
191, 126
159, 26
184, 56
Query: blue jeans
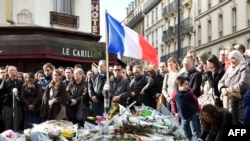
191, 127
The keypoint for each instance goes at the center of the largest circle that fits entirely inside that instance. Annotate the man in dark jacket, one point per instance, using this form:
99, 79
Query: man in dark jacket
11, 87
95, 89
195, 77
139, 84
119, 87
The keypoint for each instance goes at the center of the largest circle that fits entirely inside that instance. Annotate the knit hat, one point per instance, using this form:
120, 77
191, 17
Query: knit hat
236, 54
203, 56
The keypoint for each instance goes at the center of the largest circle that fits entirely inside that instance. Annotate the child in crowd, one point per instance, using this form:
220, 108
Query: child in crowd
185, 105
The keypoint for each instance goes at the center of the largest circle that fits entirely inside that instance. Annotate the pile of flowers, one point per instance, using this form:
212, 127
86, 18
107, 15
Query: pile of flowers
148, 123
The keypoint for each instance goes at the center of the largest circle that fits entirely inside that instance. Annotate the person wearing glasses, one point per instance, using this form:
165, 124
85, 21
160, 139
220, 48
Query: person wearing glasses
213, 120
119, 87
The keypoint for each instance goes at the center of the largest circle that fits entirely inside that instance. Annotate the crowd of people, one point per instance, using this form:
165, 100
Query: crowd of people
203, 87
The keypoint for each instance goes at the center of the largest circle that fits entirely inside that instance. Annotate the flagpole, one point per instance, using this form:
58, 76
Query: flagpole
107, 94
107, 53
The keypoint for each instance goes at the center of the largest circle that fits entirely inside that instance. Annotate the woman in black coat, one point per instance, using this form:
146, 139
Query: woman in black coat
53, 101
213, 120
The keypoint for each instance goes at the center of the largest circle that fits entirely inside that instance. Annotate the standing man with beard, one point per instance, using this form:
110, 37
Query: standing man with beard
139, 85
48, 68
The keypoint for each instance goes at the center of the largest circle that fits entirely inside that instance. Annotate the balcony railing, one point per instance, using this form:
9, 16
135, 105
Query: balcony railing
64, 19
169, 33
186, 23
135, 19
165, 11
174, 54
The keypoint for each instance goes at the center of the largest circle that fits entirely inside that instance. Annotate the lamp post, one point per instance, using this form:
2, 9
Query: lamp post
178, 32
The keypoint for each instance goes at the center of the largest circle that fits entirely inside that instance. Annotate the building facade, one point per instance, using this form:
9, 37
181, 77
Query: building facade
204, 25
63, 32
221, 23
135, 21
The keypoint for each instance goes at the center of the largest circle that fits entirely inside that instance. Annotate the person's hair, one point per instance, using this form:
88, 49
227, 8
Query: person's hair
103, 62
229, 48
213, 113
180, 80
20, 74
130, 67
58, 72
48, 65
117, 64
31, 75
70, 68
137, 66
241, 47
190, 58
38, 72
77, 66
172, 59
86, 78
79, 70
61, 67
151, 70
191, 51
214, 59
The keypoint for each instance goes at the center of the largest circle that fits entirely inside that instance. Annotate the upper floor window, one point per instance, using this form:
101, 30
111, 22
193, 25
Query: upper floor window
220, 25
152, 17
209, 30
209, 4
248, 13
64, 6
199, 6
234, 19
199, 35
156, 14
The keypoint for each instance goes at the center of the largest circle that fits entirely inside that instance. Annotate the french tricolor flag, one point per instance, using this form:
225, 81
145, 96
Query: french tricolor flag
124, 41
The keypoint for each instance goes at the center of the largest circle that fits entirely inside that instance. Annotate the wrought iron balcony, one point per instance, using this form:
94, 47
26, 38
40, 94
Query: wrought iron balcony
64, 19
135, 19
165, 11
167, 34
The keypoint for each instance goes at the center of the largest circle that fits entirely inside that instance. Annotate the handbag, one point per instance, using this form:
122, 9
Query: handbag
83, 111
209, 98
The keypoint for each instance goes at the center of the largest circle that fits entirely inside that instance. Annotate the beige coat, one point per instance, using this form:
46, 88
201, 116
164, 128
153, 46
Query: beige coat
233, 79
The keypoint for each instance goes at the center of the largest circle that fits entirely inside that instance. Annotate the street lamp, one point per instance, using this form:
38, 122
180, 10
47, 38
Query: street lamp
178, 32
